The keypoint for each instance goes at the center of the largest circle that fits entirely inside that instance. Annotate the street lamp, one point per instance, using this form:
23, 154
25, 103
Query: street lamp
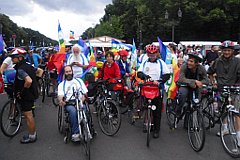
173, 22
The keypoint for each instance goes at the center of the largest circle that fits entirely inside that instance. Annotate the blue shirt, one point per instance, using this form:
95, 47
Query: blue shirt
34, 60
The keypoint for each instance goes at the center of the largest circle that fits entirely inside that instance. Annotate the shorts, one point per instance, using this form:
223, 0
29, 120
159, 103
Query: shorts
26, 105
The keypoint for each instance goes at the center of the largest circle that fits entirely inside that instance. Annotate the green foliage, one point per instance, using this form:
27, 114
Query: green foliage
23, 35
144, 20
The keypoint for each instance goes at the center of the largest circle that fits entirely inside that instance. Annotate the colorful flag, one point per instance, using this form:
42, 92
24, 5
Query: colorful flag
71, 35
92, 61
163, 49
85, 47
1, 44
61, 39
172, 90
134, 63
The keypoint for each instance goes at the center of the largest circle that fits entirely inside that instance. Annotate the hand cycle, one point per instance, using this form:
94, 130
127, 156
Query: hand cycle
193, 118
83, 124
11, 116
230, 120
149, 91
109, 117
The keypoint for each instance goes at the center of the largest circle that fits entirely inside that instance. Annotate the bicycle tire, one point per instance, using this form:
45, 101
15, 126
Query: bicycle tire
109, 116
86, 140
148, 123
43, 91
60, 119
170, 112
55, 100
208, 113
12, 114
196, 130
229, 140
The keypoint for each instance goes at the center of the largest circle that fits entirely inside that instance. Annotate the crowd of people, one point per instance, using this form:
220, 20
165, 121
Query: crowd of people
219, 67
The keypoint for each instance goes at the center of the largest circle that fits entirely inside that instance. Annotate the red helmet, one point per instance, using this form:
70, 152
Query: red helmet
227, 44
151, 49
17, 52
123, 52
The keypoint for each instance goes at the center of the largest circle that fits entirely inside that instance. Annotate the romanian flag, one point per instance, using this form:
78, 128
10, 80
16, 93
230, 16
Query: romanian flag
71, 35
172, 90
60, 57
1, 44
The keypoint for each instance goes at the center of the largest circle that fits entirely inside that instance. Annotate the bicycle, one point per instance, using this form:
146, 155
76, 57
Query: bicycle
11, 116
109, 117
84, 120
229, 120
193, 119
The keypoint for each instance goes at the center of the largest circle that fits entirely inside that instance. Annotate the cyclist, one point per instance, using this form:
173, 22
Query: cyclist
110, 68
78, 61
158, 71
193, 75
227, 69
65, 92
34, 58
25, 88
100, 57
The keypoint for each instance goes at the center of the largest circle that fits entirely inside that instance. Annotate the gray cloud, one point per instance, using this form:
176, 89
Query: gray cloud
83, 7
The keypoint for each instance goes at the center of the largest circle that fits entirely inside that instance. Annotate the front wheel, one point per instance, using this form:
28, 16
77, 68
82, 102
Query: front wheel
196, 130
171, 112
148, 122
86, 139
229, 134
11, 119
109, 118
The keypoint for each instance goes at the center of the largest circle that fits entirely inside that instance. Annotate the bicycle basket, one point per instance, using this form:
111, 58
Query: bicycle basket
150, 92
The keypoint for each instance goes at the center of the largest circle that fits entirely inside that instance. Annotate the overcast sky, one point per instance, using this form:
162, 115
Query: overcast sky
43, 15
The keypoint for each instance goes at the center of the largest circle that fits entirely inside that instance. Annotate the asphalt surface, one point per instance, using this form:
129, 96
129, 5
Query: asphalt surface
128, 144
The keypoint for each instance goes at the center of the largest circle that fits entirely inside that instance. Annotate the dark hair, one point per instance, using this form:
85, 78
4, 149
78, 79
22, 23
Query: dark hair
109, 53
173, 47
67, 66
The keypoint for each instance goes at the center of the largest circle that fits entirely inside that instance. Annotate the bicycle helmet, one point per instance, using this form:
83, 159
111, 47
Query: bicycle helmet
227, 44
16, 52
152, 49
196, 56
123, 52
9, 76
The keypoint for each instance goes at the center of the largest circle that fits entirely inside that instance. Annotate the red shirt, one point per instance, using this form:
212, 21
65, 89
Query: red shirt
110, 72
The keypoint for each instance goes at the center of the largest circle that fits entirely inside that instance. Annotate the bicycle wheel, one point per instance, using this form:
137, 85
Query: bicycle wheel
109, 118
11, 119
60, 119
55, 99
228, 133
148, 122
86, 139
196, 130
170, 112
208, 113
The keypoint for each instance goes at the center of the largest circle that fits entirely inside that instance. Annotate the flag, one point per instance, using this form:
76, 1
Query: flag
61, 39
85, 47
92, 61
71, 35
134, 63
1, 44
164, 51
172, 90
59, 58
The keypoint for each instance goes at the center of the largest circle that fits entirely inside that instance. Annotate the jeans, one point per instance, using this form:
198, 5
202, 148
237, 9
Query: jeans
72, 110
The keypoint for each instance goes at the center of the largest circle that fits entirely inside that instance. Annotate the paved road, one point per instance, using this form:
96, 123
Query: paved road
128, 144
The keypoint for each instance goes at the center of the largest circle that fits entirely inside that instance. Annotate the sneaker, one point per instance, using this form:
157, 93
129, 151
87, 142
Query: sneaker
26, 139
224, 132
75, 137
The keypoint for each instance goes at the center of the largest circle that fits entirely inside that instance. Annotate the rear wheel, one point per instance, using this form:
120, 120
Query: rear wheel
196, 130
11, 119
229, 135
109, 118
60, 119
148, 122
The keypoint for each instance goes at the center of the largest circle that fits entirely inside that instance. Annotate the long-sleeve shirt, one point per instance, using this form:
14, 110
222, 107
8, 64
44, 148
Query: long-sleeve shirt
112, 71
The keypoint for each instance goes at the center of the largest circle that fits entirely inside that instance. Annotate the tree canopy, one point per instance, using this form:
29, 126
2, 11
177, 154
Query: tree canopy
144, 20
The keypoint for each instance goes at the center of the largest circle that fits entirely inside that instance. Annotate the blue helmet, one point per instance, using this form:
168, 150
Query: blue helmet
9, 76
